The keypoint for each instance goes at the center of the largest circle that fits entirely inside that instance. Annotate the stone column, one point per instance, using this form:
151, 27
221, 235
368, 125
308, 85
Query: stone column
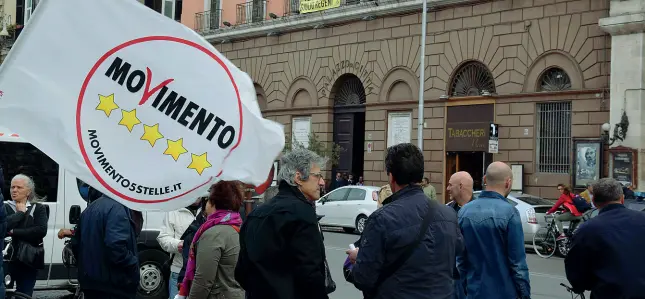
626, 24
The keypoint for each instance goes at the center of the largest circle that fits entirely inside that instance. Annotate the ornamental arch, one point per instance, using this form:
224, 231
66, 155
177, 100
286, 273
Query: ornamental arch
261, 96
301, 93
400, 84
554, 71
349, 97
471, 78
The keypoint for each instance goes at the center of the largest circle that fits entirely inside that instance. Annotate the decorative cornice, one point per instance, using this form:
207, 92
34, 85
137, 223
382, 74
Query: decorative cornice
623, 24
334, 16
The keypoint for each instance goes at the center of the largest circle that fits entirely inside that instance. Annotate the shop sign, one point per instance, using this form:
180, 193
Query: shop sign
467, 136
307, 6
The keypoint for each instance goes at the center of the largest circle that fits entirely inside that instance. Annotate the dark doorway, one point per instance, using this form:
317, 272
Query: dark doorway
474, 163
349, 98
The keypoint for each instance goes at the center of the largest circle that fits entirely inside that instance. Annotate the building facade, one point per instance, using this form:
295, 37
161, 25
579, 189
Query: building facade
350, 75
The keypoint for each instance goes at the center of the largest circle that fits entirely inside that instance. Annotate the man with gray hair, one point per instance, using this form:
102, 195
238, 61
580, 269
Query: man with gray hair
282, 254
606, 255
493, 235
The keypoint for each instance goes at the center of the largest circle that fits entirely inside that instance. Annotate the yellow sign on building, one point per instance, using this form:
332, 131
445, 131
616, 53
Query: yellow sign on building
307, 6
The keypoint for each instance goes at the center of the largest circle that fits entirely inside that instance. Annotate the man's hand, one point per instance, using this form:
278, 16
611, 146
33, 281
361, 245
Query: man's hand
180, 246
352, 255
64, 232
21, 206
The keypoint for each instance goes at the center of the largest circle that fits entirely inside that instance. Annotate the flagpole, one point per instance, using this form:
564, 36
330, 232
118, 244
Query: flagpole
422, 72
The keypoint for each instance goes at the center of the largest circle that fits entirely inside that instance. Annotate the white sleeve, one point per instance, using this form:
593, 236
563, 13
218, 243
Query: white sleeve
166, 236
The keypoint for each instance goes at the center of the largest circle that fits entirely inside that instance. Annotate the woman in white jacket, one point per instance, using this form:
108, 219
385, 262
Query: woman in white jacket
174, 225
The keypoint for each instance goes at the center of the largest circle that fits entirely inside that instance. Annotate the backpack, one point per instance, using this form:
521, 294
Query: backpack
580, 203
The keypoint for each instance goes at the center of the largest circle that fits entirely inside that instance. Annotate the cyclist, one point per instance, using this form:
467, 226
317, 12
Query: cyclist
571, 213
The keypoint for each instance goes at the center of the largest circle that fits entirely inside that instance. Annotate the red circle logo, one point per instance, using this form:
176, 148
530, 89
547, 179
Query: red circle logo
157, 102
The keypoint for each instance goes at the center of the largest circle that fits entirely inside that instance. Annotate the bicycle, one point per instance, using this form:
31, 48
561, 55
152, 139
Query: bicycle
573, 294
7, 255
545, 241
69, 261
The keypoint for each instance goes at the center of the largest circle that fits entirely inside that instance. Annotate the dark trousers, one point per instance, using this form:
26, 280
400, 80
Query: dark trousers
91, 294
25, 278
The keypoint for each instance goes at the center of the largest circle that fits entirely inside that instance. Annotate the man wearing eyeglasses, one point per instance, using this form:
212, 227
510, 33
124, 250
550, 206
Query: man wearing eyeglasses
460, 190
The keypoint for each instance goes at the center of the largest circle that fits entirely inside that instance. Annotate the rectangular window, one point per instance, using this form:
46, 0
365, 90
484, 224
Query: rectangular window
169, 8
553, 137
28, 10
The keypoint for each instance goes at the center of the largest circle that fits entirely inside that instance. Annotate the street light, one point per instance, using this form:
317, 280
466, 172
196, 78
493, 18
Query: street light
422, 74
620, 130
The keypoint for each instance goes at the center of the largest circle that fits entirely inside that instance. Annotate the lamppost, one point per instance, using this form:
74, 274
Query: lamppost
620, 130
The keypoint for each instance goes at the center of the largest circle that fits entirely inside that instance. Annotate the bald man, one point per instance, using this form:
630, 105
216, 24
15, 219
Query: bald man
460, 190
494, 262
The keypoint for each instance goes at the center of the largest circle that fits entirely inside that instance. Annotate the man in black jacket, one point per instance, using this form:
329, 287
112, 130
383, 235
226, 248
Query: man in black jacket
1, 184
105, 245
427, 272
282, 255
606, 255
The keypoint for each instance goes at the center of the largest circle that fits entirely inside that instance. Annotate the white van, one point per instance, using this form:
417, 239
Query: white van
62, 192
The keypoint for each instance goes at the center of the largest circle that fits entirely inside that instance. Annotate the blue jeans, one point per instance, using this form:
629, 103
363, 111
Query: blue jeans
172, 285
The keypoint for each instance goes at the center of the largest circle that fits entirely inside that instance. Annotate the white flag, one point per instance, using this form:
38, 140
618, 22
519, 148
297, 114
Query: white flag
133, 103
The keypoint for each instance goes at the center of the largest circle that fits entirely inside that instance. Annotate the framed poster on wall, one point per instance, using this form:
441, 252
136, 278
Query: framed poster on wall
623, 165
518, 177
587, 161
300, 130
399, 128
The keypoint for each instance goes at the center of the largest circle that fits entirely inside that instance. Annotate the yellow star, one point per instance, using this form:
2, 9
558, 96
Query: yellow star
151, 134
199, 163
107, 104
175, 148
129, 119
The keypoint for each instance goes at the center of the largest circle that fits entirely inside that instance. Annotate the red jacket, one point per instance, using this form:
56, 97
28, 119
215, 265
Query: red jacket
567, 201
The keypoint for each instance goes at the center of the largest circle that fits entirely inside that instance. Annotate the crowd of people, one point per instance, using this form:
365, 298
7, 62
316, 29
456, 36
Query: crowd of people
412, 245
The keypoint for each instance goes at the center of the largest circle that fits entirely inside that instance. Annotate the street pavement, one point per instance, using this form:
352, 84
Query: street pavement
546, 274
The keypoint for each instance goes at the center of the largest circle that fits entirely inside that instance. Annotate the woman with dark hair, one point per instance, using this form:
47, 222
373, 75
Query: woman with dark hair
215, 248
571, 212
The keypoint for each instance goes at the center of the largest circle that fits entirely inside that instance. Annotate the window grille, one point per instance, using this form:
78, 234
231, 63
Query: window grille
472, 79
554, 137
555, 79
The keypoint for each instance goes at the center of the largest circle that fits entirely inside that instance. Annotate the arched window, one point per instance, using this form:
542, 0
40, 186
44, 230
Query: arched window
554, 79
350, 92
472, 79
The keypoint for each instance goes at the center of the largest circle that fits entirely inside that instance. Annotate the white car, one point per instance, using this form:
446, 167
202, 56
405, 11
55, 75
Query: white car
348, 207
532, 210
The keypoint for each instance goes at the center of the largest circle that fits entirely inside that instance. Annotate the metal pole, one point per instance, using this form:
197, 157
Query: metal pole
422, 73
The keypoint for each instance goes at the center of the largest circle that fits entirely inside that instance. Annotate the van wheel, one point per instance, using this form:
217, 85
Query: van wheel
152, 284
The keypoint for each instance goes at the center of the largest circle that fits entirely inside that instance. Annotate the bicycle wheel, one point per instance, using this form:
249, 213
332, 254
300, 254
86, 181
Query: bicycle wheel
15, 295
544, 243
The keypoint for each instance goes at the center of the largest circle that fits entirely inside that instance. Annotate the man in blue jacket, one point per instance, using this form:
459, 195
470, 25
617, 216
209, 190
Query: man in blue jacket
105, 245
494, 261
427, 272
606, 255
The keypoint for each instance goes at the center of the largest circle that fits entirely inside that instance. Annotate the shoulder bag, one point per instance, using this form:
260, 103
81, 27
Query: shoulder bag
28, 254
407, 253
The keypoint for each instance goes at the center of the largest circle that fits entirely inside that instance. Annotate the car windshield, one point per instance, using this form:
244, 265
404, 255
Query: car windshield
535, 201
